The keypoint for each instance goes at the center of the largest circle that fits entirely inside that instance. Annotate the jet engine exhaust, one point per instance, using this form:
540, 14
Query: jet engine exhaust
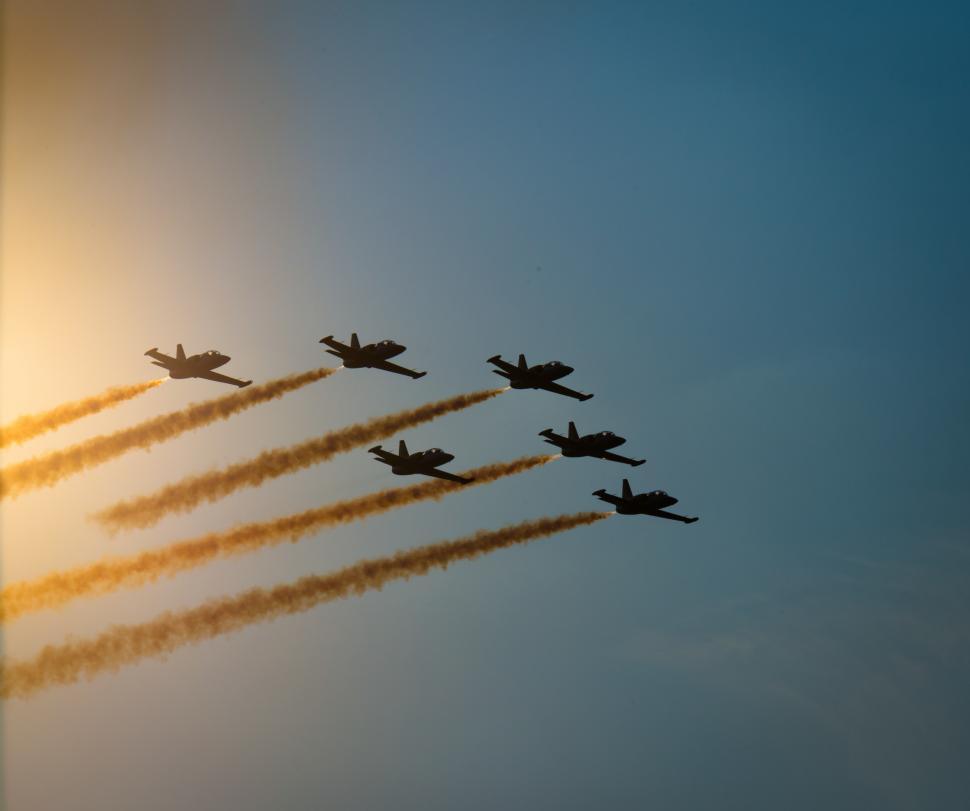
46, 470
123, 645
31, 425
190, 492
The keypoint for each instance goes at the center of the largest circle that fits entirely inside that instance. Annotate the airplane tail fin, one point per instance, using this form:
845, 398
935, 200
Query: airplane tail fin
627, 492
573, 433
354, 342
402, 449
179, 353
522, 363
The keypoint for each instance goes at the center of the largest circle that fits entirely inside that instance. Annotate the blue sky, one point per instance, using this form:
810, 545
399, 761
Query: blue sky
745, 228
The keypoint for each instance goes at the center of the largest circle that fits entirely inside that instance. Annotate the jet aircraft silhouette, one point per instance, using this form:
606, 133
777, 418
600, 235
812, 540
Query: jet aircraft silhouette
643, 503
595, 445
540, 376
200, 365
370, 356
423, 463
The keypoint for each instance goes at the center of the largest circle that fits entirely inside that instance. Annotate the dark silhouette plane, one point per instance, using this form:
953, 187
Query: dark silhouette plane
540, 376
643, 503
423, 463
371, 356
201, 365
595, 445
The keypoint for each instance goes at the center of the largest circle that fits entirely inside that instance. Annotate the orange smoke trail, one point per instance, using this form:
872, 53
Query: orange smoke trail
112, 574
126, 644
31, 425
52, 467
188, 493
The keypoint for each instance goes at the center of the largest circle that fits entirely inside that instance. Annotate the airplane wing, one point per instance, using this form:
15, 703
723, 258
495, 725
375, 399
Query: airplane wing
333, 343
160, 356
218, 378
555, 388
503, 364
384, 456
615, 457
672, 516
602, 495
443, 474
387, 366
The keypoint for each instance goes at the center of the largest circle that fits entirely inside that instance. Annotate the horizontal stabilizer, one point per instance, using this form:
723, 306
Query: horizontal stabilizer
333, 352
159, 363
500, 373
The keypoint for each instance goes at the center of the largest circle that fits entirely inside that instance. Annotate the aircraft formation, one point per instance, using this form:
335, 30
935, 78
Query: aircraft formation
542, 376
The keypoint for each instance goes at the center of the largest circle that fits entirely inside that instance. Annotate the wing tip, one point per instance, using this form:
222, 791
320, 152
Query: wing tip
692, 520
153, 349
494, 359
637, 462
324, 340
418, 375
584, 397
375, 449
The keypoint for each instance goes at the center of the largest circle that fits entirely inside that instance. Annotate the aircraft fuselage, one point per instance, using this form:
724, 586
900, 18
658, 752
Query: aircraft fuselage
367, 356
420, 462
197, 364
645, 504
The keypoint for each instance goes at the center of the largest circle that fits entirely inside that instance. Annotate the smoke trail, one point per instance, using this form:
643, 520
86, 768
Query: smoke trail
126, 644
31, 425
188, 493
52, 467
115, 573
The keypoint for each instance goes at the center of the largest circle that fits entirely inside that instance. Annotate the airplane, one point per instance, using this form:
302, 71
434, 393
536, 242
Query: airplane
424, 463
371, 356
643, 503
201, 365
595, 445
540, 376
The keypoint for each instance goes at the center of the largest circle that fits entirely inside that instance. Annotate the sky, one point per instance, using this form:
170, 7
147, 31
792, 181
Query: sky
744, 225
